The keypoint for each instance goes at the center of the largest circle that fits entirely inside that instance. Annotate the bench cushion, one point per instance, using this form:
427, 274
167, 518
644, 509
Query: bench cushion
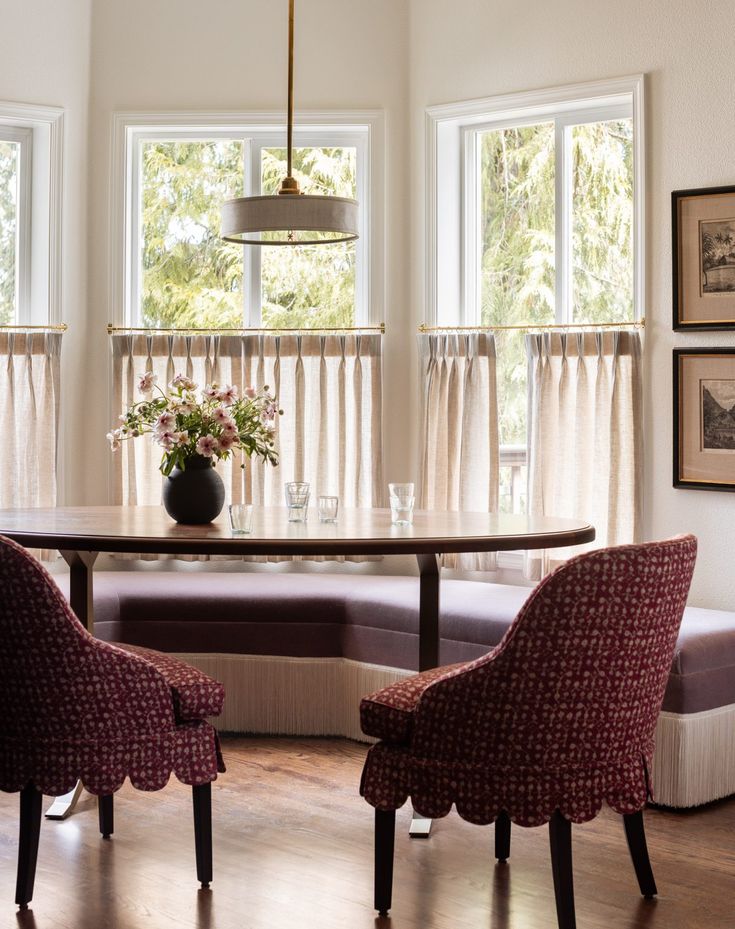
366, 618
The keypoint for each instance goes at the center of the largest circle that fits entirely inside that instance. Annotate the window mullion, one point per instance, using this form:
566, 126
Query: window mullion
563, 223
253, 290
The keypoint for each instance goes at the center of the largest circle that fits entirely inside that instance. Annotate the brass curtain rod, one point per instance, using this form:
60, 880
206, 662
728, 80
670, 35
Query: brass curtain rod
59, 327
638, 324
205, 331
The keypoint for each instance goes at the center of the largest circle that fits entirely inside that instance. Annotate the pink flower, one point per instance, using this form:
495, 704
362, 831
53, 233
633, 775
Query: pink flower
182, 382
229, 427
167, 440
226, 441
183, 404
221, 416
210, 391
114, 439
146, 382
207, 446
250, 392
165, 423
228, 395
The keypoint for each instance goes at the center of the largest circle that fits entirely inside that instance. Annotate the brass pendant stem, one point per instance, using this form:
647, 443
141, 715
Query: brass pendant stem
290, 87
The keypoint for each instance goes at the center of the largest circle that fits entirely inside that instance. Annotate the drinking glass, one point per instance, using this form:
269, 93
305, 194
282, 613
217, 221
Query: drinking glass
241, 518
401, 504
328, 507
297, 501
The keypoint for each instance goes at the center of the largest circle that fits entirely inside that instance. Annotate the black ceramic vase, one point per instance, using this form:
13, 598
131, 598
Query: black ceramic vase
195, 495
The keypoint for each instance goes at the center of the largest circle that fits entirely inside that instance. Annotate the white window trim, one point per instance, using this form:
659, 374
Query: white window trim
363, 130
40, 130
451, 233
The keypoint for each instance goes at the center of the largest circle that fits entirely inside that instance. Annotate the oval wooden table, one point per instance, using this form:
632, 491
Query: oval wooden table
81, 533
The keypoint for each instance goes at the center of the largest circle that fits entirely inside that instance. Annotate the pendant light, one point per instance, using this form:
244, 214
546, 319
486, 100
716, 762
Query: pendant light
290, 217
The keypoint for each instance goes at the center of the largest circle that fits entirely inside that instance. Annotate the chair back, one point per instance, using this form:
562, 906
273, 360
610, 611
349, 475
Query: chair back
578, 680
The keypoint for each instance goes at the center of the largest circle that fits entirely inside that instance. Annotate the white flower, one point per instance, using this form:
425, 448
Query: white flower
165, 423
228, 395
147, 382
226, 441
207, 446
114, 439
181, 437
251, 392
184, 404
166, 440
182, 382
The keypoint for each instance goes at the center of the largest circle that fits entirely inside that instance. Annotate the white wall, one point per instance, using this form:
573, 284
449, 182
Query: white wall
463, 49
185, 55
44, 60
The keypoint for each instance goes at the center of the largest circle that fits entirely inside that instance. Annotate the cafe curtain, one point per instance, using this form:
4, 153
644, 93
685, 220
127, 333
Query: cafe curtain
29, 412
585, 436
329, 386
459, 430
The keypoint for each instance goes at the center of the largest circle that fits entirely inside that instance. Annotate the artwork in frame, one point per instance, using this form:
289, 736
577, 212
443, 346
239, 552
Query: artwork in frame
704, 418
703, 247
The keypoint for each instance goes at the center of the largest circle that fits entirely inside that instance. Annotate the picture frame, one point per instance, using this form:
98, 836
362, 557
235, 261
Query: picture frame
703, 253
704, 418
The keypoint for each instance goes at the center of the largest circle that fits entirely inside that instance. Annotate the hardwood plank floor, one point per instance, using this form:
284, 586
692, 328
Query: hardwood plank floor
293, 848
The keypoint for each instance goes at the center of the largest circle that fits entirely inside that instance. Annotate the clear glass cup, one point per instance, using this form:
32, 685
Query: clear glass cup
297, 500
401, 504
241, 518
328, 507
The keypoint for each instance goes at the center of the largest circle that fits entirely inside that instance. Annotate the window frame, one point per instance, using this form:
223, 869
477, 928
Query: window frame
360, 130
451, 207
39, 131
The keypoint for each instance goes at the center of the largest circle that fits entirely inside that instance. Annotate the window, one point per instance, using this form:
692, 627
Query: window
179, 273
30, 214
535, 219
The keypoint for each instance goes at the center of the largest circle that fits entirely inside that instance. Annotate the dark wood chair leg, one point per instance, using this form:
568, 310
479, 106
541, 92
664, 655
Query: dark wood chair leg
560, 838
502, 837
202, 798
635, 833
30, 831
385, 833
106, 811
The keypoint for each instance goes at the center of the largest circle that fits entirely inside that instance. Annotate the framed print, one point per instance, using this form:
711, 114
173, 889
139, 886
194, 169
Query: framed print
703, 248
704, 418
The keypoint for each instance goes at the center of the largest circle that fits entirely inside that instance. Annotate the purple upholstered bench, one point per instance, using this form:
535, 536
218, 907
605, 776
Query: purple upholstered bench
296, 652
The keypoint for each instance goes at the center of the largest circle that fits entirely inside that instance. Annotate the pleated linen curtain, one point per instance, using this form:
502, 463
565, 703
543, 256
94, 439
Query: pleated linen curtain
329, 386
459, 430
585, 436
29, 412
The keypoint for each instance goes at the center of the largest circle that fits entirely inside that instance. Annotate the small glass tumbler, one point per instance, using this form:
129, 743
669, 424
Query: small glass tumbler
401, 504
241, 518
328, 507
297, 501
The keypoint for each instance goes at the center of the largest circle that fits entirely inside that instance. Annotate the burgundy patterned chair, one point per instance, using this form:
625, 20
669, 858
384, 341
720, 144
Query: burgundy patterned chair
74, 708
554, 721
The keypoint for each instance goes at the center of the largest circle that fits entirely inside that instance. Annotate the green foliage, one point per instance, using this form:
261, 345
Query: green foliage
192, 278
310, 286
517, 230
8, 230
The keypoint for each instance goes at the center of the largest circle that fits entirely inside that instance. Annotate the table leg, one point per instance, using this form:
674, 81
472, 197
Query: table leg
81, 601
429, 576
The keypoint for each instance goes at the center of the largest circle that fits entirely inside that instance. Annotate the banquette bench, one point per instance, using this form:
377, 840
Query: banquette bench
296, 652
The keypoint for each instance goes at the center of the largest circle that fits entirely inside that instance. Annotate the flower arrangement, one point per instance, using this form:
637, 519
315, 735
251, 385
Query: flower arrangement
214, 427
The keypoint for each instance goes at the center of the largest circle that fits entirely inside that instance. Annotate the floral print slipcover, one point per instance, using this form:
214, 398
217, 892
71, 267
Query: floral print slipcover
560, 715
73, 707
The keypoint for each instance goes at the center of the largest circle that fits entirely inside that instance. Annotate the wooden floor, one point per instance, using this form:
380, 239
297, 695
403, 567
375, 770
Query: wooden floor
293, 848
